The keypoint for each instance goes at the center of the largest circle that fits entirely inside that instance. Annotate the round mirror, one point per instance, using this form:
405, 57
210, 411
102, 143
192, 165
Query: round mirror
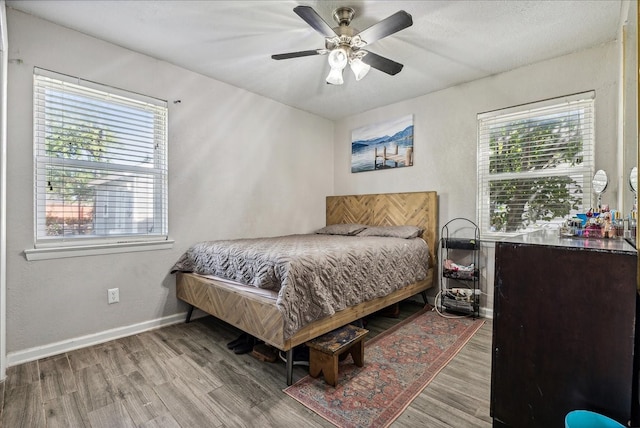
600, 181
633, 179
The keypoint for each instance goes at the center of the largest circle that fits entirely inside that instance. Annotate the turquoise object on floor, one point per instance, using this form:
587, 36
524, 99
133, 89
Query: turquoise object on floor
587, 419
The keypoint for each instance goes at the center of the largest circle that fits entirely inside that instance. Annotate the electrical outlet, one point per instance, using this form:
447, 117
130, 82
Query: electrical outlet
113, 295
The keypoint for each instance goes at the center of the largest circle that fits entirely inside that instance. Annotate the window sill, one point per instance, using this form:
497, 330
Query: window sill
494, 237
95, 249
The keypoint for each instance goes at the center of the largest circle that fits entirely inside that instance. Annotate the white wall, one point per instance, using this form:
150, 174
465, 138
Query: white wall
629, 103
3, 186
445, 140
240, 165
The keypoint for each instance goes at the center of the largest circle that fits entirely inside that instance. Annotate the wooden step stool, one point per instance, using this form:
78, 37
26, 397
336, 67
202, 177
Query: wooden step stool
325, 350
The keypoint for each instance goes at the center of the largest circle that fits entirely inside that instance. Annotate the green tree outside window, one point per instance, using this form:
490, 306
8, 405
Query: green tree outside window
532, 176
71, 185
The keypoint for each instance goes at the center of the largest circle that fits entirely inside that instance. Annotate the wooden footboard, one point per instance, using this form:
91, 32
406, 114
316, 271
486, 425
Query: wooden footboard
354, 313
251, 313
259, 316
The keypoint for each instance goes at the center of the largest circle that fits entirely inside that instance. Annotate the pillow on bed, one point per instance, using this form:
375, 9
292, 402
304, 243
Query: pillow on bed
406, 232
341, 229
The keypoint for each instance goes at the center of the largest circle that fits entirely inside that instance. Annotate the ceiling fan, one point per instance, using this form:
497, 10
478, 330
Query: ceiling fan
344, 44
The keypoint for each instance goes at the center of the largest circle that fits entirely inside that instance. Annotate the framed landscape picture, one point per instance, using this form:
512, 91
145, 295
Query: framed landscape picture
384, 145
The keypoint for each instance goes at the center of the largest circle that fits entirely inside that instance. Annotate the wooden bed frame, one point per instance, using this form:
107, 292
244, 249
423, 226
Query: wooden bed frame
259, 316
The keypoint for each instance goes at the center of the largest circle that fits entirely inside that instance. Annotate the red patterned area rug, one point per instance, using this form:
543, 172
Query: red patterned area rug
399, 364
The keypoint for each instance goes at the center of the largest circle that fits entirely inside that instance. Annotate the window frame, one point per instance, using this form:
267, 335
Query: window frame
532, 110
46, 247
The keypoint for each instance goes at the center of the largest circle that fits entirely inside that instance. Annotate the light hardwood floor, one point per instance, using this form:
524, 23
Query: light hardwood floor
184, 376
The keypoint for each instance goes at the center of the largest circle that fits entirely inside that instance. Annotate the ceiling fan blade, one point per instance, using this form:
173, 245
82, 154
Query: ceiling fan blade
392, 24
381, 63
298, 54
312, 18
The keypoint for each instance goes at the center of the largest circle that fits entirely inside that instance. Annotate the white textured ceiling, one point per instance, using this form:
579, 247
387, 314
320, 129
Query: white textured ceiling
450, 42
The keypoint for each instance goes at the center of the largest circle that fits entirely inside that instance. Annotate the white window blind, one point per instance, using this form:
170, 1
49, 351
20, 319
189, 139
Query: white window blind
535, 164
100, 163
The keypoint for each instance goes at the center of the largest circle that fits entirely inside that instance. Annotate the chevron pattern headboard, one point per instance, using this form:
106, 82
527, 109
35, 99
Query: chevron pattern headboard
385, 209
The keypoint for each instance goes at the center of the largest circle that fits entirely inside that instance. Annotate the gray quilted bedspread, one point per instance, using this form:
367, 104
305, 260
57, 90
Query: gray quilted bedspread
314, 275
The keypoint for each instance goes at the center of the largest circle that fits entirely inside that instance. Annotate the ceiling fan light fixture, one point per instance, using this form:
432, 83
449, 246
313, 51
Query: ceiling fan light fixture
338, 58
335, 76
359, 68
344, 44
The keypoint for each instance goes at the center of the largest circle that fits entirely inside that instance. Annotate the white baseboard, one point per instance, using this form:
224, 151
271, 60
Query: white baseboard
32, 354
35, 353
486, 313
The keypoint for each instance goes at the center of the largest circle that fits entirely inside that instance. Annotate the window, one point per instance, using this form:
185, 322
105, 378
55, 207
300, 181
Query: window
535, 164
100, 164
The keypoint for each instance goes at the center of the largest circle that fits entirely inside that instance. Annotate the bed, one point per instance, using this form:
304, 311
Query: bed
256, 312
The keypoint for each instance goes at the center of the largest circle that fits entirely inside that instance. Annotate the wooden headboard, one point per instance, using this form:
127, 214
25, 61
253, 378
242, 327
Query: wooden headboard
388, 209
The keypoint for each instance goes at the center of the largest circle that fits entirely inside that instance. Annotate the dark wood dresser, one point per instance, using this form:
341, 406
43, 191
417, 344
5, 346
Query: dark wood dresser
563, 331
